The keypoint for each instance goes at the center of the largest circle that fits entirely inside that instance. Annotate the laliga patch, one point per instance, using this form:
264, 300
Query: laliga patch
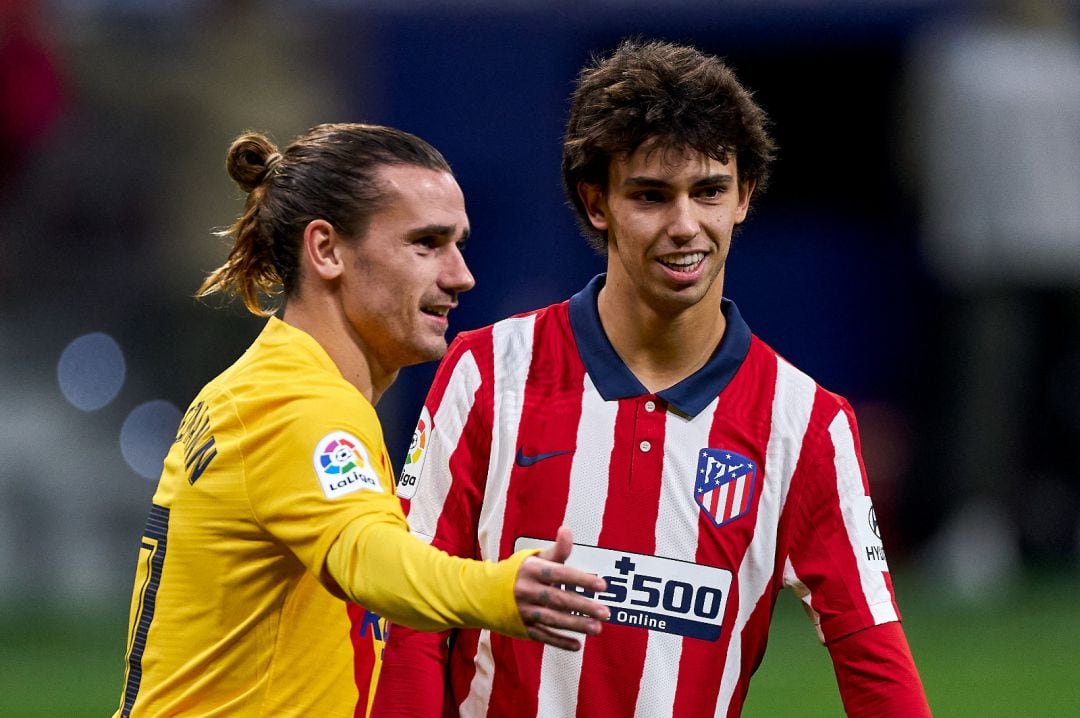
343, 465
414, 457
869, 533
725, 485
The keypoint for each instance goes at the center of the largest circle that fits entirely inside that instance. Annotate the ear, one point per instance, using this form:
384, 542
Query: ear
745, 190
321, 247
595, 201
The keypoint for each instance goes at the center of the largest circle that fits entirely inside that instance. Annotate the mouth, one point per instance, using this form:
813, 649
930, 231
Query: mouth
439, 311
682, 263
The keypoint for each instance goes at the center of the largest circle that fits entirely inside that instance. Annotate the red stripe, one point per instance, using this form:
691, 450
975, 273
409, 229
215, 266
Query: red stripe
729, 502
537, 494
741, 424
613, 662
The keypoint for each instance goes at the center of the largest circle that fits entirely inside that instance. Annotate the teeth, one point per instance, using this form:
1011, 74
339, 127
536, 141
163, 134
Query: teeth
684, 260
437, 311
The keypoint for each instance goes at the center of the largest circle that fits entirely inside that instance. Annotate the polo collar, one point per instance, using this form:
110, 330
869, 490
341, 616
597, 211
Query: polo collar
615, 381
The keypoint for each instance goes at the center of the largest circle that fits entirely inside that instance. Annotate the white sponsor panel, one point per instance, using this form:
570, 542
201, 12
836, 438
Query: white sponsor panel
870, 534
653, 592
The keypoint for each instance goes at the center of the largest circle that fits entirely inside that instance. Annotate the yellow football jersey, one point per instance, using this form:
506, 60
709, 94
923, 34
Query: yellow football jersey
236, 610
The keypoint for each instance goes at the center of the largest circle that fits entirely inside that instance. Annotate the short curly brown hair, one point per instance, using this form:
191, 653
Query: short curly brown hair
676, 94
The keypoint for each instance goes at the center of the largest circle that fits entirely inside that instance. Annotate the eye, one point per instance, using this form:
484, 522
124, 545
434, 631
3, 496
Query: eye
649, 196
428, 242
713, 192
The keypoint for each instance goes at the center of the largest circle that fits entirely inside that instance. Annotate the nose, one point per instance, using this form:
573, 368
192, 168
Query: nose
683, 224
456, 276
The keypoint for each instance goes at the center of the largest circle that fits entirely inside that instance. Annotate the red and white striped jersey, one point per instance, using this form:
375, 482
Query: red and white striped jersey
698, 504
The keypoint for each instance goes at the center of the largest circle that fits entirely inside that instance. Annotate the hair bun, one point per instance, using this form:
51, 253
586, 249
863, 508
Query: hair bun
250, 158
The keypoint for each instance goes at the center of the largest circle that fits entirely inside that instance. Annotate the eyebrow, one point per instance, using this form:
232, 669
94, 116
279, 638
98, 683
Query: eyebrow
442, 230
644, 181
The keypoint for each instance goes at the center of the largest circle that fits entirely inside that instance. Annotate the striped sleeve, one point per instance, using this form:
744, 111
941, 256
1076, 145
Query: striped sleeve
443, 475
835, 561
442, 484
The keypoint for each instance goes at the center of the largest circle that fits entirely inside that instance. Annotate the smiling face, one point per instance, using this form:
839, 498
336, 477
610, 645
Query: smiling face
669, 214
405, 273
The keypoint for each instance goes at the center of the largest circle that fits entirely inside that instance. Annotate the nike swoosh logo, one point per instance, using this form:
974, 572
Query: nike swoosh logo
523, 460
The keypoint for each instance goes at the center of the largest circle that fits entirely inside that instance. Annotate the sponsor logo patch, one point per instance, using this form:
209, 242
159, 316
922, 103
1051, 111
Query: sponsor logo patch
653, 592
343, 465
414, 457
725, 484
870, 533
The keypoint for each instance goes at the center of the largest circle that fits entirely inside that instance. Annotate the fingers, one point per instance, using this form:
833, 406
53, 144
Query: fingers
554, 597
543, 583
560, 550
537, 615
546, 635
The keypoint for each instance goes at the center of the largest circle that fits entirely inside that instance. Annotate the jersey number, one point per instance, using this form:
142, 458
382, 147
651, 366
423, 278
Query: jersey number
147, 580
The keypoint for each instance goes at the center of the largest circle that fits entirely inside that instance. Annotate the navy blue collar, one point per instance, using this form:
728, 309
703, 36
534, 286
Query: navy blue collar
614, 380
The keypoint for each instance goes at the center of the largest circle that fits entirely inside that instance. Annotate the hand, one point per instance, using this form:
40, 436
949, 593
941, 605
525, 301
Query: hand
544, 606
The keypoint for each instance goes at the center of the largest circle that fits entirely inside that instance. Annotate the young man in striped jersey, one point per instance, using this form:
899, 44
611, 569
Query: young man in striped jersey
699, 471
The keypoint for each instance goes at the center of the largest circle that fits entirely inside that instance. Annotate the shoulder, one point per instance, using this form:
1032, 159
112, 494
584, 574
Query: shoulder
286, 395
796, 384
516, 329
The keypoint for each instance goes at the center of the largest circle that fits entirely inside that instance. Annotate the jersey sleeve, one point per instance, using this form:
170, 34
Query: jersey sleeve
876, 674
445, 472
834, 559
443, 475
319, 480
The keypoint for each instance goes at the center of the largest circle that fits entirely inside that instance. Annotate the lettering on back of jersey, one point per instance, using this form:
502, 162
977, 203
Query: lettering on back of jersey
414, 457
724, 488
194, 433
652, 592
343, 465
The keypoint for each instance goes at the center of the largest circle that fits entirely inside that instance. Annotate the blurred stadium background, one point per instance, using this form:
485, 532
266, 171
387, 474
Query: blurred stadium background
918, 251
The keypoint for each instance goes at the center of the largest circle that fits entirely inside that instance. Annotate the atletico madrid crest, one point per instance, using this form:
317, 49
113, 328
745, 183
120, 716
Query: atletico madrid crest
725, 484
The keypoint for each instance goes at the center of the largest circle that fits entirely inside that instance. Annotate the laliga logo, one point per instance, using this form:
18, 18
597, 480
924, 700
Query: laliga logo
419, 441
339, 457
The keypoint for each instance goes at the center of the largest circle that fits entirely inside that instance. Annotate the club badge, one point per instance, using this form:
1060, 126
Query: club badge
725, 484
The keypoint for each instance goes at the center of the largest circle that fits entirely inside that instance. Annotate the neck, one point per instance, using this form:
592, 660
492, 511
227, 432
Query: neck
348, 352
662, 348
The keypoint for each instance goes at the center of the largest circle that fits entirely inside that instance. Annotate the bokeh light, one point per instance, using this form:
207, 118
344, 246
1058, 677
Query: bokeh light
91, 371
147, 433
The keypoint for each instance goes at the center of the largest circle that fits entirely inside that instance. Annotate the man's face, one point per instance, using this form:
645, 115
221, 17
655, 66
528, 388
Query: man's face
404, 275
669, 215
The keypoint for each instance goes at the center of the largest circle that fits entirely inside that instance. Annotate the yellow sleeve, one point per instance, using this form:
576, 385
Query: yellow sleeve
388, 570
322, 485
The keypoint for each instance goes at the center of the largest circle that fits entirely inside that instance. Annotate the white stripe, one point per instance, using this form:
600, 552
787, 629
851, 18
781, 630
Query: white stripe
792, 404
560, 671
721, 501
803, 593
849, 487
433, 484
742, 495
676, 537
513, 340
737, 491
475, 704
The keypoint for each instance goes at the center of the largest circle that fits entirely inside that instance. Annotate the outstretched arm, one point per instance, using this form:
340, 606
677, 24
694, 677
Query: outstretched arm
413, 677
383, 567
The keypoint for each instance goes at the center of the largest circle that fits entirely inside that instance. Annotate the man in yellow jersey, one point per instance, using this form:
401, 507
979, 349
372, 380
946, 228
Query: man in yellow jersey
275, 515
